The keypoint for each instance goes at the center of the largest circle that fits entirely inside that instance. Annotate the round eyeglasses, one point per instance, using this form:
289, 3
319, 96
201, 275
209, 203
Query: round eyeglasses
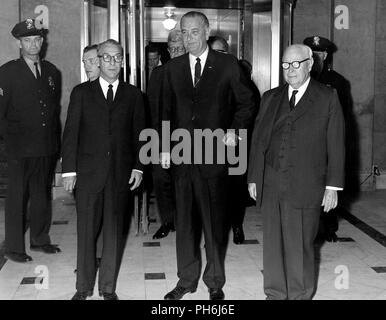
294, 64
107, 58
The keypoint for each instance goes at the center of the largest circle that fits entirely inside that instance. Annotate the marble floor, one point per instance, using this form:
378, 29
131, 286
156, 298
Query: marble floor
352, 268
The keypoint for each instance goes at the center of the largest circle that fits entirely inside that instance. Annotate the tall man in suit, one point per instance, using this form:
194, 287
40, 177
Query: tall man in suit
198, 90
101, 158
162, 180
30, 124
296, 165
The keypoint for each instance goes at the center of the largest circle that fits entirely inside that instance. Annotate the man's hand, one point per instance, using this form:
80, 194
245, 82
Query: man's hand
135, 177
69, 183
230, 139
252, 190
330, 200
165, 160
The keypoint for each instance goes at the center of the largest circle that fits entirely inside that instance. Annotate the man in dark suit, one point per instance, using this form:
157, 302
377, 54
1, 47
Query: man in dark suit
29, 123
198, 94
162, 180
101, 157
296, 165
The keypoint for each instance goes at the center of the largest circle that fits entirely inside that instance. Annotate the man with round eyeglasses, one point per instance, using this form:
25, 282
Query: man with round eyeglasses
100, 157
296, 165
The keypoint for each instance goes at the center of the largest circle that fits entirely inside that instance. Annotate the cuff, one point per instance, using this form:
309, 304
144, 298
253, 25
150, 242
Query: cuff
334, 188
140, 171
68, 174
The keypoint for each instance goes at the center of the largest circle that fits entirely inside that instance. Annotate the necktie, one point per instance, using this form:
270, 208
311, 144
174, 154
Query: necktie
110, 95
37, 71
292, 100
197, 71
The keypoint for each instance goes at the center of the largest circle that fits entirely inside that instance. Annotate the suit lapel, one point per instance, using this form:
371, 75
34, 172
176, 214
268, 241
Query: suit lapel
265, 131
98, 93
305, 102
207, 76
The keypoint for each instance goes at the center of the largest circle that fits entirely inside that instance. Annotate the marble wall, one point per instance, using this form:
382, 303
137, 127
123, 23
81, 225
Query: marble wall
379, 145
9, 16
361, 59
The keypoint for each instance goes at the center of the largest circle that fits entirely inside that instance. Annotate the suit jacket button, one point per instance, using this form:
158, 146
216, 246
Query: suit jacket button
43, 124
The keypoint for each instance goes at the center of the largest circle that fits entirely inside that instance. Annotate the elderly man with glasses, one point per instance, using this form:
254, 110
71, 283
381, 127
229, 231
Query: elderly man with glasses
296, 165
101, 159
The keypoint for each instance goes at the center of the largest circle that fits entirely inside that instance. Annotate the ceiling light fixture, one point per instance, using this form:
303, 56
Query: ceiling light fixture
169, 23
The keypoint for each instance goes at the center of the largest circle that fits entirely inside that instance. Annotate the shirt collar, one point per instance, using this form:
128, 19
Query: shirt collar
301, 90
30, 62
203, 57
105, 84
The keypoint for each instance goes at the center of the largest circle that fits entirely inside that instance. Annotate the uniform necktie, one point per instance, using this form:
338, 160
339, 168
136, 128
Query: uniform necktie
37, 70
197, 71
293, 99
110, 95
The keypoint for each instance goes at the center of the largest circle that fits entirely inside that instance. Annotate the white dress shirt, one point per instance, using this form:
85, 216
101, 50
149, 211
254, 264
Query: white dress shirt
31, 64
105, 87
192, 61
301, 90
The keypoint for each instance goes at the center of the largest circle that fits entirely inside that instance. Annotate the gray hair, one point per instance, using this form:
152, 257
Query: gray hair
175, 36
109, 42
196, 14
302, 47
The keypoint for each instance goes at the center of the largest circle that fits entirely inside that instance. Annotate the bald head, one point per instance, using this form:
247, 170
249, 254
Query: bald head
299, 58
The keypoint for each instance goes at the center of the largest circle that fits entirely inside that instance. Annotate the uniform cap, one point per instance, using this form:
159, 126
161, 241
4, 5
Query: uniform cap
26, 28
317, 43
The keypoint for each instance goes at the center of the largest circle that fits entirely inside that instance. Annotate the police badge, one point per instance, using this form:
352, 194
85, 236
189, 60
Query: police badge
30, 24
316, 41
51, 83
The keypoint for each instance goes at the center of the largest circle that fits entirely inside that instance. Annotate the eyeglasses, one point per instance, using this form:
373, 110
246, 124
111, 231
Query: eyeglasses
294, 64
90, 60
107, 58
177, 50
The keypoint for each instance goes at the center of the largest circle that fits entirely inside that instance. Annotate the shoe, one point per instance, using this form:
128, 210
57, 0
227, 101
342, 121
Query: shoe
238, 235
81, 295
164, 230
46, 248
216, 294
17, 257
178, 292
109, 296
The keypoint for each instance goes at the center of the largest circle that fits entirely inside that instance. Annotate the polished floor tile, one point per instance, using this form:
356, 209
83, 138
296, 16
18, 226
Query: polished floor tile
352, 268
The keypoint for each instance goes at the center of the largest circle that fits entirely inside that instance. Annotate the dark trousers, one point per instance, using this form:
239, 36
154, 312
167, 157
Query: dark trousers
164, 192
239, 189
106, 208
201, 205
28, 179
288, 250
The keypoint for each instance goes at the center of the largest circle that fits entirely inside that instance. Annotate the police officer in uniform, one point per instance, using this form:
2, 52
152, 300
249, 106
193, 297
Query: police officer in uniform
322, 71
30, 126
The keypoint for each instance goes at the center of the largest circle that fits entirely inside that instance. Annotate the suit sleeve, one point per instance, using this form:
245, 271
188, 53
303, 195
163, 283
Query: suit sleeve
139, 124
255, 142
5, 97
71, 132
245, 106
166, 109
335, 144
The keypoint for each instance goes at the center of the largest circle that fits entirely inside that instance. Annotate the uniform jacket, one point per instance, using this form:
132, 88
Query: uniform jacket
99, 139
221, 100
317, 148
30, 109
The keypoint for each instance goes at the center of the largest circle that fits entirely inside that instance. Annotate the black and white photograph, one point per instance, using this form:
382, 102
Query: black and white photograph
218, 152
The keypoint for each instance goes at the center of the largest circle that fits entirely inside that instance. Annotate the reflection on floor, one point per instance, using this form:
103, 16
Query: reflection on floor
352, 268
